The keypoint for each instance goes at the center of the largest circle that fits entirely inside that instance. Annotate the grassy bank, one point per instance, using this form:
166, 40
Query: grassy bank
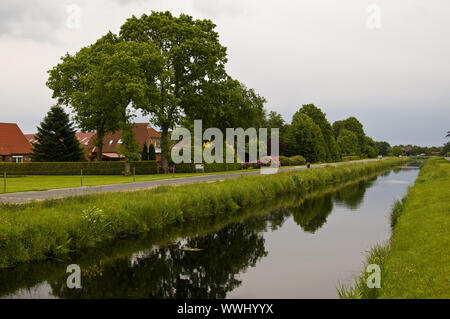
52, 228
415, 263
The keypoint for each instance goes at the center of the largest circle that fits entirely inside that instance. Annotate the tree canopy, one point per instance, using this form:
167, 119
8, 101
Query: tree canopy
305, 138
100, 81
192, 57
331, 147
348, 142
384, 148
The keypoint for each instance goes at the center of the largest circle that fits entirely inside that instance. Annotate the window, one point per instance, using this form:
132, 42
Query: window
17, 159
110, 142
119, 141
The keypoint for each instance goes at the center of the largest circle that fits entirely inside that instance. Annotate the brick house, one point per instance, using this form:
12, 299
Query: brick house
84, 139
144, 134
14, 147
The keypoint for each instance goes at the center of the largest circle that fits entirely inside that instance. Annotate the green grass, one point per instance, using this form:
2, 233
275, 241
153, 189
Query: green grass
416, 261
42, 230
15, 184
27, 183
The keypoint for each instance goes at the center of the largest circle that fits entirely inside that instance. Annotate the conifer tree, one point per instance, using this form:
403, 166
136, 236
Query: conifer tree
144, 155
151, 153
56, 140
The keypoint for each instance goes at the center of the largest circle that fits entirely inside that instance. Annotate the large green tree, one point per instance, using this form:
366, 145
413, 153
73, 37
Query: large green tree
371, 148
129, 147
397, 150
316, 114
348, 142
305, 138
352, 124
225, 104
102, 80
56, 140
193, 59
384, 148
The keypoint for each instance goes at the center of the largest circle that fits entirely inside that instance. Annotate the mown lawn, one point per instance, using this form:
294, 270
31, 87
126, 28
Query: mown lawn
416, 262
16, 184
418, 265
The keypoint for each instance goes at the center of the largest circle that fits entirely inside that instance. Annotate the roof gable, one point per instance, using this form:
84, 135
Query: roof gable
12, 140
112, 142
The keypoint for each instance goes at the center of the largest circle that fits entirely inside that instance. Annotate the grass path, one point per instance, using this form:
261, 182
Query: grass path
416, 262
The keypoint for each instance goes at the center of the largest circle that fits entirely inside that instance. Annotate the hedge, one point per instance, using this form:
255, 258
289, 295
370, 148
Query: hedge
209, 168
74, 168
292, 161
350, 158
297, 160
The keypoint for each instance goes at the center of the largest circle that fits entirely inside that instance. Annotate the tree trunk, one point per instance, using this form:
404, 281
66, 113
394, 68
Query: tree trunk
127, 169
165, 145
100, 136
99, 151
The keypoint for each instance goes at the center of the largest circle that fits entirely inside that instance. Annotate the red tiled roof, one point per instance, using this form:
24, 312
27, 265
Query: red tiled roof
31, 138
111, 141
85, 138
153, 133
12, 140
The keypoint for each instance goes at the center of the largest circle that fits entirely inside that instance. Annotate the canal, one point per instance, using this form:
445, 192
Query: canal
288, 248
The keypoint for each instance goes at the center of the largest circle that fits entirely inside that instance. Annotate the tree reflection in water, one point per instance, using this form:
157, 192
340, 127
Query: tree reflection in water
171, 272
352, 196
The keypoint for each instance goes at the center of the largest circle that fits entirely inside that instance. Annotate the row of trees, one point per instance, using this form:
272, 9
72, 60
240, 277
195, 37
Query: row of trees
311, 135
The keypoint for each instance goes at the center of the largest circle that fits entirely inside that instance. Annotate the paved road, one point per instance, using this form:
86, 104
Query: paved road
26, 197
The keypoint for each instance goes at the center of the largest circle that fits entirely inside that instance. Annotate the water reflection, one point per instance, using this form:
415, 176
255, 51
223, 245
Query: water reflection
312, 214
352, 196
226, 247
171, 272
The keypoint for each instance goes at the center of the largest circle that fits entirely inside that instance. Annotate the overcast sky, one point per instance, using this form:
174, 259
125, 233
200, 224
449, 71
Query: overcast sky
390, 70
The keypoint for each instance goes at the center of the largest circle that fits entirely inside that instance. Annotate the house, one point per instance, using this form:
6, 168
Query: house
406, 149
84, 139
14, 146
144, 134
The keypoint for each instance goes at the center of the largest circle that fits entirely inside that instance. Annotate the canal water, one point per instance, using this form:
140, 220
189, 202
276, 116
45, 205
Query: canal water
287, 248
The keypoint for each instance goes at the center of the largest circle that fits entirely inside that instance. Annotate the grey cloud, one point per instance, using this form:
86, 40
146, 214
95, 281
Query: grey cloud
219, 7
31, 19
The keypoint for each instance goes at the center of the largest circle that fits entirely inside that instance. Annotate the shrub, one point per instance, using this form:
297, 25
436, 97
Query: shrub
350, 158
285, 161
297, 160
